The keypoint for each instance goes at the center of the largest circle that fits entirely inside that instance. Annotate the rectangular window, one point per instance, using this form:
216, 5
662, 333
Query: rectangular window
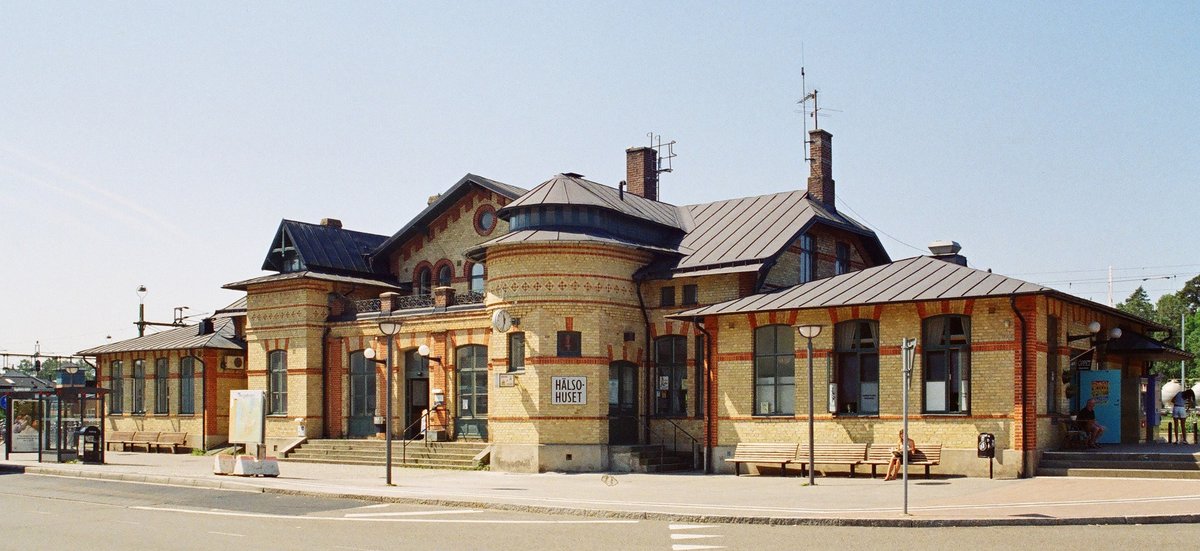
689, 295
277, 382
139, 386
670, 387
116, 400
842, 264
947, 364
775, 370
667, 297
857, 371
161, 385
569, 344
808, 258
516, 351
187, 386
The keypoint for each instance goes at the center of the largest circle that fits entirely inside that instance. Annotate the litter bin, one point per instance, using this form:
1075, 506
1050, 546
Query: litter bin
91, 445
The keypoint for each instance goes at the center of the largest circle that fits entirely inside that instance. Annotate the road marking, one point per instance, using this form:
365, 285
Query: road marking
129, 522
686, 547
690, 526
376, 506
693, 536
412, 513
413, 520
228, 534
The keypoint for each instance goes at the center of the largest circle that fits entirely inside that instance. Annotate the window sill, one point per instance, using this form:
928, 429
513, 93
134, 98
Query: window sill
277, 415
774, 415
517, 371
856, 415
945, 414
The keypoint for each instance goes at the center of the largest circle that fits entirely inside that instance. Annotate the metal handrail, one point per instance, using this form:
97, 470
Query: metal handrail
676, 429
424, 437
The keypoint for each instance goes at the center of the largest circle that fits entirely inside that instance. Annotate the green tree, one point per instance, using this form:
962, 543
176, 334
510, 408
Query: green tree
1138, 304
1190, 294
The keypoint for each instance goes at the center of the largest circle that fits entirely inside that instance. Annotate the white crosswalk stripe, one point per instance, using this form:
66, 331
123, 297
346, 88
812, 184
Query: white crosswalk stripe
692, 536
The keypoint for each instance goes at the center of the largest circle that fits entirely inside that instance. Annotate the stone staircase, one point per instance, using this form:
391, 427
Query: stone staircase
648, 459
418, 453
1123, 462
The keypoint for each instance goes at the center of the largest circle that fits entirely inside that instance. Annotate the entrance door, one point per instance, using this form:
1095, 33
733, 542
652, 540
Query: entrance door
472, 391
1104, 386
362, 397
416, 392
622, 403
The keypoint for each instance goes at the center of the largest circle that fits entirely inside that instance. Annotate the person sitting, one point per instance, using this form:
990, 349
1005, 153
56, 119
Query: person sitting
903, 446
1086, 419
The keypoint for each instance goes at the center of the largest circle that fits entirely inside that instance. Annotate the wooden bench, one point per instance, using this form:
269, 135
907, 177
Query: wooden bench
851, 455
927, 456
124, 438
1076, 436
754, 452
171, 440
141, 438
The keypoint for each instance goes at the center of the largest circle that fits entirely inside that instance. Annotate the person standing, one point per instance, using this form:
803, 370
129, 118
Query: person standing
1179, 414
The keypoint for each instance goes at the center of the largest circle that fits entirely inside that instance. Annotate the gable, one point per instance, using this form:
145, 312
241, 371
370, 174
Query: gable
325, 247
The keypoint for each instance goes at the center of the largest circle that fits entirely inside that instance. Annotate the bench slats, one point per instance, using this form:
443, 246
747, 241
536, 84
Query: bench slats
926, 456
758, 452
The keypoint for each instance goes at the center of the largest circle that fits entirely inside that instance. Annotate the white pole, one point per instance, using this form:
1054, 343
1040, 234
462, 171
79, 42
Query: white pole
1110, 299
1182, 346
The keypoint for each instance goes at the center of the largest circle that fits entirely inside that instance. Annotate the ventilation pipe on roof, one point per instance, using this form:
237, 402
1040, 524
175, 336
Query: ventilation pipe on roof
948, 251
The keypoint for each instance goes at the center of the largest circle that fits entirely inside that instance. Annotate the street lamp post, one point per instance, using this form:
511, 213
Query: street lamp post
809, 332
388, 328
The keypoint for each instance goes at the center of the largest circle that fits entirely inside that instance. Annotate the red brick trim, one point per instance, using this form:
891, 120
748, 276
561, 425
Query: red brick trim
479, 212
833, 315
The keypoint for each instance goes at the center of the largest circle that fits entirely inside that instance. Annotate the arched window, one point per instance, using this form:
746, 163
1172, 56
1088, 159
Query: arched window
775, 370
139, 386
670, 359
445, 275
477, 278
277, 382
162, 393
423, 281
116, 400
947, 344
187, 384
857, 374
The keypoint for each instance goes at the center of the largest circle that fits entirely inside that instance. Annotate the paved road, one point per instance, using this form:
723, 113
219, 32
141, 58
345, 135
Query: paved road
52, 512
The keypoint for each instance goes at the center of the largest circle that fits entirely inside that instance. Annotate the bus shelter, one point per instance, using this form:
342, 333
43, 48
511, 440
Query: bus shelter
53, 423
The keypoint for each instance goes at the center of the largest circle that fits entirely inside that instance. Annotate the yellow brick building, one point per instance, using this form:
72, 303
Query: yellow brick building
574, 325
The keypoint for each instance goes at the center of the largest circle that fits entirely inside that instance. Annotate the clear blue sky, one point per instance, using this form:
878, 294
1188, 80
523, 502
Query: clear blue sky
161, 143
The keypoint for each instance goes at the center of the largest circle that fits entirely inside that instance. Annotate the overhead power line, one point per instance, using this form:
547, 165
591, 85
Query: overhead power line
876, 228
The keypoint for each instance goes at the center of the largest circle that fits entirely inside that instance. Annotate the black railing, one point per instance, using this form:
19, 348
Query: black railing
423, 422
414, 301
369, 305
676, 432
469, 297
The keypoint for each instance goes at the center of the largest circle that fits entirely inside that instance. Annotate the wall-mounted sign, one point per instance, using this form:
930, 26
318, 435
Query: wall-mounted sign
568, 390
506, 380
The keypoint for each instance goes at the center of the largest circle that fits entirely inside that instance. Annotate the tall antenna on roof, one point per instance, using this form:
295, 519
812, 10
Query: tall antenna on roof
657, 145
810, 96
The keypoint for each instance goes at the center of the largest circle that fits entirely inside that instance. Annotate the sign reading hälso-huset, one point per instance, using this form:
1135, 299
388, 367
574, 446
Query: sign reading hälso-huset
568, 390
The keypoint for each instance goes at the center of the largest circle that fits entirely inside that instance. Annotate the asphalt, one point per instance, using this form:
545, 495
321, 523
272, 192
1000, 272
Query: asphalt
836, 500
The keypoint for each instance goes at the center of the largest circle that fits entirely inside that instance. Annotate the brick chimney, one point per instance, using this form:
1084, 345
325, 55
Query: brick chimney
820, 177
331, 223
641, 172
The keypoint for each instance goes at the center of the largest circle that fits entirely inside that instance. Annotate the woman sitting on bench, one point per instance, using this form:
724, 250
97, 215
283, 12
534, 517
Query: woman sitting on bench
903, 445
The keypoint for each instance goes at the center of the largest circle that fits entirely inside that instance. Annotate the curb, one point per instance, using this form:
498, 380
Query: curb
192, 482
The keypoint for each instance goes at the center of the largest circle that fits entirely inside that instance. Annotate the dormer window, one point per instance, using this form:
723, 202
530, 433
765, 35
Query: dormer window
289, 258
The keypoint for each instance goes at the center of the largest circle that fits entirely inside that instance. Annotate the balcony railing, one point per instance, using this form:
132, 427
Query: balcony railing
469, 297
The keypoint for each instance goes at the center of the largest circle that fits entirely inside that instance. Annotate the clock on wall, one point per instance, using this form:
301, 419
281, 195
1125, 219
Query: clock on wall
501, 320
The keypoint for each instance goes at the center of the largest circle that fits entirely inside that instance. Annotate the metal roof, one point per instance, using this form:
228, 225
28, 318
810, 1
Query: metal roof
758, 228
238, 308
329, 248
909, 280
555, 236
1136, 344
13, 380
181, 338
422, 219
574, 190
308, 274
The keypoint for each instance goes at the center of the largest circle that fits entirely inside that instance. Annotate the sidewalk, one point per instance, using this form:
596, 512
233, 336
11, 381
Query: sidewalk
858, 501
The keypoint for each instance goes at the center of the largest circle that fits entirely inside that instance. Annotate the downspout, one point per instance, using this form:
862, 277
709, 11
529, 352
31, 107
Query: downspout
647, 387
1024, 381
203, 403
708, 359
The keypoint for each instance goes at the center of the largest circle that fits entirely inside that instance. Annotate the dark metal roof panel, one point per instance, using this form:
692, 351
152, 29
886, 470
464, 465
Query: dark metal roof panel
569, 189
555, 236
909, 280
331, 247
182, 338
241, 285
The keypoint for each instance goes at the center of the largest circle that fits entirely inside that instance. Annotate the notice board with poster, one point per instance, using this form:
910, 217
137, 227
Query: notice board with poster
247, 422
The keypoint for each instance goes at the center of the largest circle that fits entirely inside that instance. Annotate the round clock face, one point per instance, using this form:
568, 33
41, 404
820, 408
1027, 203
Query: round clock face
501, 321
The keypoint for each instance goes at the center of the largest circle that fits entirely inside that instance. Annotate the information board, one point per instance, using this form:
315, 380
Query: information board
246, 409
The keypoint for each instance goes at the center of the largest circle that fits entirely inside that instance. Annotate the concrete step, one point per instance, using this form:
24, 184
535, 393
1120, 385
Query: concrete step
1119, 473
446, 466
1101, 455
1157, 465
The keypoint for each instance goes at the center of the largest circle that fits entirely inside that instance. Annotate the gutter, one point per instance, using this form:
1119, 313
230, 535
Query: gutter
1024, 381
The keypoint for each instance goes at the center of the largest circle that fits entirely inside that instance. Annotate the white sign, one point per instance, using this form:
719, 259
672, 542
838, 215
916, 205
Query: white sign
568, 390
246, 408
